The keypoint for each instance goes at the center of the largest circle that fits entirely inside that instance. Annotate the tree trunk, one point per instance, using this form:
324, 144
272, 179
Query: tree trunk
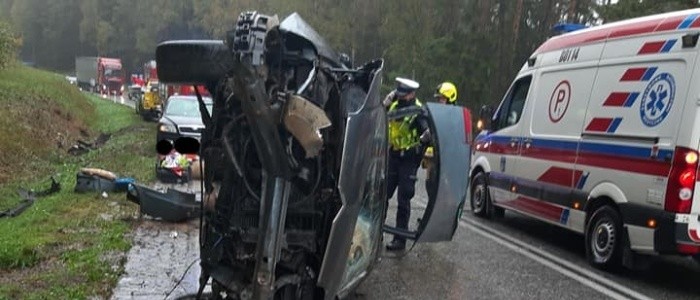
572, 11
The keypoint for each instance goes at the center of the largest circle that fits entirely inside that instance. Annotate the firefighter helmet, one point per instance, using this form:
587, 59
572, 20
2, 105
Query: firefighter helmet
448, 91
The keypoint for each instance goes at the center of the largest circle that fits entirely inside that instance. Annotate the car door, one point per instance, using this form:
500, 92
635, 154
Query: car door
451, 128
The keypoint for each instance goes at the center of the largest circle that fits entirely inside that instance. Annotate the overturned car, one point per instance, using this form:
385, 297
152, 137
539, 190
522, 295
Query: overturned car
296, 152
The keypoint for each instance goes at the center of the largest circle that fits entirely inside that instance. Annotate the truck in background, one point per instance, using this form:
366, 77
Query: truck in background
155, 94
150, 71
100, 74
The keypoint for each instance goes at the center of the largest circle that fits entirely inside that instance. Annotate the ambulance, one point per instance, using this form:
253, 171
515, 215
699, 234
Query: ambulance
599, 133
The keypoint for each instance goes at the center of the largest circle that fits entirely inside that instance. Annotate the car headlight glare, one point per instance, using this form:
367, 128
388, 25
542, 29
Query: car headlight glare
167, 128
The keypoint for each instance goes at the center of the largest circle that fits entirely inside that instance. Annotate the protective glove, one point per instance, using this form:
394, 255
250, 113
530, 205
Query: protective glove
389, 98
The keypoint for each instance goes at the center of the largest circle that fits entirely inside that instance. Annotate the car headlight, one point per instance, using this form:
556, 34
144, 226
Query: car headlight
167, 128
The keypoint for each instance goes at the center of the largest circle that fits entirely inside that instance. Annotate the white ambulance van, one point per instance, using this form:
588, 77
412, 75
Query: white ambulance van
599, 133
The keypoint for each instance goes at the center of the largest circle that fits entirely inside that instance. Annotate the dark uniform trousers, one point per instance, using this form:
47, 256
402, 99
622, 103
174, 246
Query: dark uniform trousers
403, 166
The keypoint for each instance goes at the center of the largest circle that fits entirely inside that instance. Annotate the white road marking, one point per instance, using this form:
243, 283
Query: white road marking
603, 285
586, 277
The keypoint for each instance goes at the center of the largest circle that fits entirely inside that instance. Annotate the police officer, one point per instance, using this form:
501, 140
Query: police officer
406, 137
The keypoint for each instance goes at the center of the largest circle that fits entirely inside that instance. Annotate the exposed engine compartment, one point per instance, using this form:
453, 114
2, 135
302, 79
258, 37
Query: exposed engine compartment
273, 147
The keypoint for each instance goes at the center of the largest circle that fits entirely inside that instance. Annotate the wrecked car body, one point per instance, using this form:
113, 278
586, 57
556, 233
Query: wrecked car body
296, 150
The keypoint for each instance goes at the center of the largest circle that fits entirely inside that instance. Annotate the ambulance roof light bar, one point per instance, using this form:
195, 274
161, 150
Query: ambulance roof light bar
562, 28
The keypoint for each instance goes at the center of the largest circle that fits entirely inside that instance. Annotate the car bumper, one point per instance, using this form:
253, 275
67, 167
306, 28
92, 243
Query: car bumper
666, 232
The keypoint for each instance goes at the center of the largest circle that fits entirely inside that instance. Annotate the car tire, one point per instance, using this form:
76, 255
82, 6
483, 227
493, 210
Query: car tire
604, 239
480, 200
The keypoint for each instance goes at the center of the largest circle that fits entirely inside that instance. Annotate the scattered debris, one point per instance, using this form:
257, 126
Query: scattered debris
171, 205
90, 179
28, 198
176, 167
99, 172
82, 147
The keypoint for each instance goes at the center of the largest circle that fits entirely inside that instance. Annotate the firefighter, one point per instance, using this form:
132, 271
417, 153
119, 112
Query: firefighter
406, 137
445, 93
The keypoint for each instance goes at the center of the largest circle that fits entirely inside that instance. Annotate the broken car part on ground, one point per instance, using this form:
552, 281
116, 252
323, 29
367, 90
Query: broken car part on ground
28, 198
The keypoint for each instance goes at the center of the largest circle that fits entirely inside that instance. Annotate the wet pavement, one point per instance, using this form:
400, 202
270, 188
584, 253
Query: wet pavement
471, 267
163, 262
532, 260
160, 256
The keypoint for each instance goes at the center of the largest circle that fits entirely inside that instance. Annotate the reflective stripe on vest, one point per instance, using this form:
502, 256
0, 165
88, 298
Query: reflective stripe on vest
401, 135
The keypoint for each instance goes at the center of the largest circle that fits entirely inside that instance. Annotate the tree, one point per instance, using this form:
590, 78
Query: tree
9, 43
478, 44
626, 9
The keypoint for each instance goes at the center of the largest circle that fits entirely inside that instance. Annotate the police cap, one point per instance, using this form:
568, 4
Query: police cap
405, 86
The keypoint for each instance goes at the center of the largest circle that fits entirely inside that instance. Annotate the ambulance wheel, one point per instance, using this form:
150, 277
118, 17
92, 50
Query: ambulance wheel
604, 240
480, 199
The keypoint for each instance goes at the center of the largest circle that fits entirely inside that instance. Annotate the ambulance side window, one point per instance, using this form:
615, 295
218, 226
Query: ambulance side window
511, 110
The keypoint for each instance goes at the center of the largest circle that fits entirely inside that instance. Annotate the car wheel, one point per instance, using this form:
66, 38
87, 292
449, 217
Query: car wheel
480, 199
604, 239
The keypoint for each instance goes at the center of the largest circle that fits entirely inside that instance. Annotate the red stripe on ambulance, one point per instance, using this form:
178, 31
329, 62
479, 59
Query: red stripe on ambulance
599, 124
652, 47
616, 99
560, 176
616, 31
634, 29
634, 74
696, 23
670, 23
538, 208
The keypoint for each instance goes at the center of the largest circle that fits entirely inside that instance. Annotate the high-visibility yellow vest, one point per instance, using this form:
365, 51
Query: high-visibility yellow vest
403, 136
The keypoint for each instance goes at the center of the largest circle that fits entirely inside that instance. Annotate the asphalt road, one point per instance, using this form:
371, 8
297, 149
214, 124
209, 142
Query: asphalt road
518, 258
119, 99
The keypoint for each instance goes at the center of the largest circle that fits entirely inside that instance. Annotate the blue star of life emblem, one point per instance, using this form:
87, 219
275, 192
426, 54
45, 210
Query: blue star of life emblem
657, 99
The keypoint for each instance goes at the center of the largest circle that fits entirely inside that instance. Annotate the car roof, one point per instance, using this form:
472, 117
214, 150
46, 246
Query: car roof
189, 97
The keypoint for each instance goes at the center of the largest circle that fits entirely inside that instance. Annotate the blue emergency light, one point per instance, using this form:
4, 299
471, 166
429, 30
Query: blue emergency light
562, 28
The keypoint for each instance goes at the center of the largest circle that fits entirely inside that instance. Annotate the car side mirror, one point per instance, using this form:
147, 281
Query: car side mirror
485, 116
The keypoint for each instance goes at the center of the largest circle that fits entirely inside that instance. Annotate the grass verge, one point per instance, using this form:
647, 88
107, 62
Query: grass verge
68, 245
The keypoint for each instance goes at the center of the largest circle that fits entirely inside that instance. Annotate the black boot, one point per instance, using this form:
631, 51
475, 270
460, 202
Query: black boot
396, 245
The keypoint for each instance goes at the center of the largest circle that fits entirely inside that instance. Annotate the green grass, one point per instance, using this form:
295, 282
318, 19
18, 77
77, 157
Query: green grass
58, 247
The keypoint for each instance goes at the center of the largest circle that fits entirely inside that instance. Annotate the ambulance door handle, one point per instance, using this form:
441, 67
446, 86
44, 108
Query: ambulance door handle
528, 143
513, 142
